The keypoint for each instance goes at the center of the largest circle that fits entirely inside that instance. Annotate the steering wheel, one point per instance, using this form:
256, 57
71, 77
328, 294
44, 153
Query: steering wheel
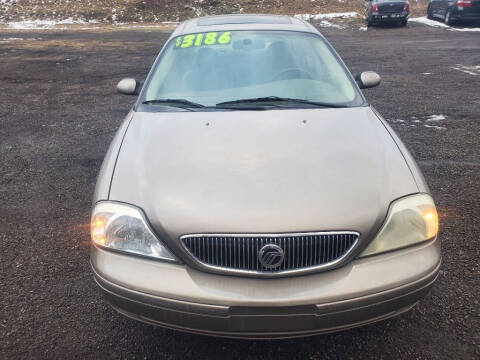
282, 73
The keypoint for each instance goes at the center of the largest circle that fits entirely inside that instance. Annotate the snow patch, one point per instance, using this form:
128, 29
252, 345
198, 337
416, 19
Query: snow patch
425, 21
325, 23
435, 127
464, 29
470, 70
435, 117
425, 120
435, 23
137, 26
45, 24
10, 39
309, 17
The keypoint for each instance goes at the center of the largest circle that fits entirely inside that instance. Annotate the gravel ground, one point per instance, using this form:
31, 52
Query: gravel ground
58, 113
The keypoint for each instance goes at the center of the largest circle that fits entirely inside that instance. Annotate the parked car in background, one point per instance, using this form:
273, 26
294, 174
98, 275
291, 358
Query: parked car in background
392, 11
451, 11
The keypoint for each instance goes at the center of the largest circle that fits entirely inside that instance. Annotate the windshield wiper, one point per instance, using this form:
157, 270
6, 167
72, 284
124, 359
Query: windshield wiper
277, 99
181, 103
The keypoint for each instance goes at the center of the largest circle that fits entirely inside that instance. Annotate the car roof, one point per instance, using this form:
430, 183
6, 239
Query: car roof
243, 22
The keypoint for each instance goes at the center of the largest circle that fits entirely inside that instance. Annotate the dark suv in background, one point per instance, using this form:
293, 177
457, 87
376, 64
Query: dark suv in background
393, 11
451, 11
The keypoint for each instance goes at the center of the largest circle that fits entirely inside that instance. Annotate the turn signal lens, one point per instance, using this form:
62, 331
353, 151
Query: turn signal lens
410, 221
431, 222
124, 228
464, 3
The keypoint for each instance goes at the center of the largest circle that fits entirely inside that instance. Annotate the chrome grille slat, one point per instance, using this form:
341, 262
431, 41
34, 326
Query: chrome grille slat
296, 251
249, 252
301, 245
240, 253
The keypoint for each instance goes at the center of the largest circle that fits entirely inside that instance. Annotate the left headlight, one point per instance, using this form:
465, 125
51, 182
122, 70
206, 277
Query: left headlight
410, 220
124, 228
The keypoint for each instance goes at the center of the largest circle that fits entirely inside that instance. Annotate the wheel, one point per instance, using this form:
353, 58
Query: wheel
448, 18
404, 22
429, 12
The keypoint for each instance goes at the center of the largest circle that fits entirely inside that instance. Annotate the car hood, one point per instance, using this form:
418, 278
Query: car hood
260, 171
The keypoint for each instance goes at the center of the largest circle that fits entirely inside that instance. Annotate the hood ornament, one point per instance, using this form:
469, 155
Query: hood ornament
271, 256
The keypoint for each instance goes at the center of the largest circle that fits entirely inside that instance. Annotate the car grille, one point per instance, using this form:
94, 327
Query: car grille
243, 253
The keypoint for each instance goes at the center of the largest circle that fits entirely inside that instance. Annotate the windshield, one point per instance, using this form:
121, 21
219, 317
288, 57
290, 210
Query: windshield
212, 68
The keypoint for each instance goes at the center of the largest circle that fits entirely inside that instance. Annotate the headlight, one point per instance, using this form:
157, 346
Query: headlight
410, 220
124, 228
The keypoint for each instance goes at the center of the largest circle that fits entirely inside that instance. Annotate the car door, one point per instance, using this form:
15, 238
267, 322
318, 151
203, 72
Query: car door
445, 6
440, 7
434, 6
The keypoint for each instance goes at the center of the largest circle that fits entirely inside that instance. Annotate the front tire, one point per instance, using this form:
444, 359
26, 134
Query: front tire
404, 23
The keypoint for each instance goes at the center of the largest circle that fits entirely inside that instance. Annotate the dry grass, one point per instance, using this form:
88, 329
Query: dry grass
173, 10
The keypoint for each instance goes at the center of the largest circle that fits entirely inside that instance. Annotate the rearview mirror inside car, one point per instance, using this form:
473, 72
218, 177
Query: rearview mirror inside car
129, 86
368, 79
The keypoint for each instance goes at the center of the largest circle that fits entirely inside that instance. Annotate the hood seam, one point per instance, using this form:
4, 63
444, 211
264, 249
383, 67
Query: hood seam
398, 147
116, 157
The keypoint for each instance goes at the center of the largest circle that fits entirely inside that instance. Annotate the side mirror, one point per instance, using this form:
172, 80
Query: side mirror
368, 79
129, 86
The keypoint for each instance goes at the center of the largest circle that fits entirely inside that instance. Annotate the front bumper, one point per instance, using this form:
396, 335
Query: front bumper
179, 297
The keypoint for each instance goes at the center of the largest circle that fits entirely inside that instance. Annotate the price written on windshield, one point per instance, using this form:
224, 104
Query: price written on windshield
201, 39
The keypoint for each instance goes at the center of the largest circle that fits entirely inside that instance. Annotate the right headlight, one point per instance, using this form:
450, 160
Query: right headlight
410, 220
